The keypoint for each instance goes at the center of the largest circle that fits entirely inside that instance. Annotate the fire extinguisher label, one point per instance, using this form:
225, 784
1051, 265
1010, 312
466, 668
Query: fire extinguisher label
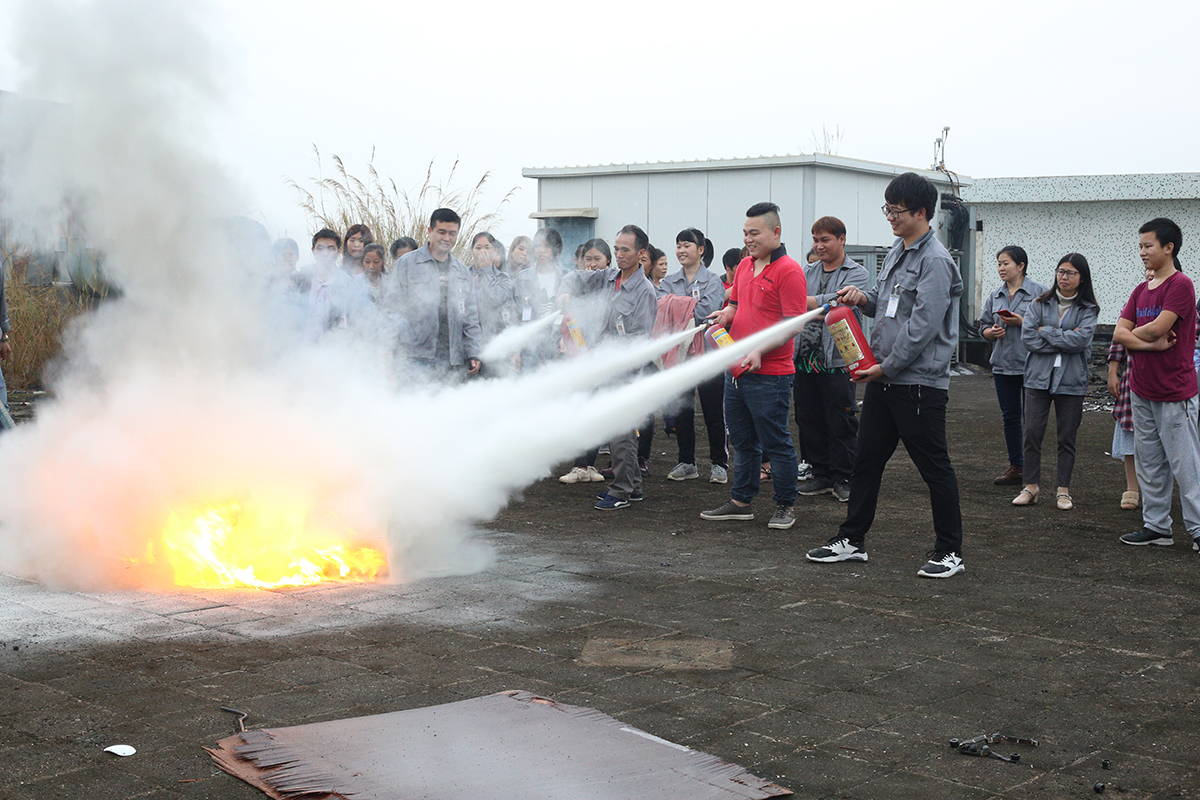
843, 338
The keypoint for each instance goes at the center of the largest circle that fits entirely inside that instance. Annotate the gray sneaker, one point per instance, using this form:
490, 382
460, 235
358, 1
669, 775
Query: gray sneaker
783, 518
719, 474
730, 510
841, 491
683, 472
815, 486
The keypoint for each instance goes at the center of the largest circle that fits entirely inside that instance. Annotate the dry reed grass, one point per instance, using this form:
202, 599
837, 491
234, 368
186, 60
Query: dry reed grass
344, 200
39, 315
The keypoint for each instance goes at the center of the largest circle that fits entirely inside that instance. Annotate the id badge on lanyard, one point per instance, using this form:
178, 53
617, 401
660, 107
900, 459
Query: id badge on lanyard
893, 303
621, 325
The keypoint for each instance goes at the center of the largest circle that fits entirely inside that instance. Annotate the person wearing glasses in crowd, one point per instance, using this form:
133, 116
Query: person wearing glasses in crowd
915, 307
1057, 332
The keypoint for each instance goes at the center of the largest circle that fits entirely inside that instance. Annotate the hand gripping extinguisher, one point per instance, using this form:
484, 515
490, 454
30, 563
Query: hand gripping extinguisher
848, 338
721, 338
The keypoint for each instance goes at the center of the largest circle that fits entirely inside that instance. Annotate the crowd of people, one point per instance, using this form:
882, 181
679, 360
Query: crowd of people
441, 312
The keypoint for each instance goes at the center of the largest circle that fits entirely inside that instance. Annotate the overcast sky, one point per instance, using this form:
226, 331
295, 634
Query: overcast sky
1027, 88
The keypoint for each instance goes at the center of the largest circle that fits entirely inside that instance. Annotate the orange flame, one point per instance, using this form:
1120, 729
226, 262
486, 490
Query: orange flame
228, 546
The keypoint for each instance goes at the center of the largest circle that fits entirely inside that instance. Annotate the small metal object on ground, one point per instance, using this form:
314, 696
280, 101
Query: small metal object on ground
241, 716
981, 746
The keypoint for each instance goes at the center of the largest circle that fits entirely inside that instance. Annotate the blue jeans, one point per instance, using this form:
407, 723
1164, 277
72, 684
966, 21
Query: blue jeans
756, 411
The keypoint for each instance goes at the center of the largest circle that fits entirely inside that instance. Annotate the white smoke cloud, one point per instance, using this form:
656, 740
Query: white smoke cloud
190, 390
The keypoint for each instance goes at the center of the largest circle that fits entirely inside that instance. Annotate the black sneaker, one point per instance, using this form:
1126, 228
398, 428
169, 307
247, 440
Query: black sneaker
730, 510
837, 550
1147, 536
636, 497
815, 486
942, 565
841, 491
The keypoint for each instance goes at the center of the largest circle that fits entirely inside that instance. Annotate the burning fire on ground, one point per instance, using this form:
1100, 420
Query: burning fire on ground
234, 546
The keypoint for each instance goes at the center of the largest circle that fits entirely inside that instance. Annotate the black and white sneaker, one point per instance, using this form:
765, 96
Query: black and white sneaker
945, 565
837, 550
1147, 536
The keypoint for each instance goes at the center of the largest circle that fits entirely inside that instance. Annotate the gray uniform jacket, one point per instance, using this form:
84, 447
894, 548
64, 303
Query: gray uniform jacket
1009, 353
412, 301
496, 296
850, 273
630, 310
1059, 341
914, 345
706, 288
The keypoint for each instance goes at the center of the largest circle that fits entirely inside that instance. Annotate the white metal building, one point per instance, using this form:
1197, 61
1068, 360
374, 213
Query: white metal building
664, 198
1096, 215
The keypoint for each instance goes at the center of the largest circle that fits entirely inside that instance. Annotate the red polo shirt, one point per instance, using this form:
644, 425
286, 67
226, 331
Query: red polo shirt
779, 291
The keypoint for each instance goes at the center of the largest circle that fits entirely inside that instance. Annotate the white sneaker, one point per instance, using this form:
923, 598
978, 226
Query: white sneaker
576, 475
594, 475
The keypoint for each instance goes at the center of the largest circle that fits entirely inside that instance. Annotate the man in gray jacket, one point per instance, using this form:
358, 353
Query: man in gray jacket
628, 313
431, 305
823, 393
915, 306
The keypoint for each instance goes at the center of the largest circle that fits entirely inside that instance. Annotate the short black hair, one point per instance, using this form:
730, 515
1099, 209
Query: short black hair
444, 215
732, 257
326, 233
765, 209
640, 240
403, 241
1167, 232
912, 191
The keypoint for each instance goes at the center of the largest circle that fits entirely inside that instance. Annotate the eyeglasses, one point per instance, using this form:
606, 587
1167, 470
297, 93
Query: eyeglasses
893, 213
1067, 273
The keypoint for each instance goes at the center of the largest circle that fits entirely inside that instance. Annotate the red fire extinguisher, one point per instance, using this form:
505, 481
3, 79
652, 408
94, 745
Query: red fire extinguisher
721, 338
572, 335
848, 337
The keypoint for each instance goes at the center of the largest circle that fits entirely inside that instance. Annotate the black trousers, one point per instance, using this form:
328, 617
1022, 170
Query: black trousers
712, 404
916, 416
827, 421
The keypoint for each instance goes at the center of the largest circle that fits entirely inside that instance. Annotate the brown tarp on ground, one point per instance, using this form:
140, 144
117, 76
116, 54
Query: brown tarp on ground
506, 746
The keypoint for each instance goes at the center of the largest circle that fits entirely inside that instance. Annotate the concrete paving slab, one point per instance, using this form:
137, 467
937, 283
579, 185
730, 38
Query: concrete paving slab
842, 680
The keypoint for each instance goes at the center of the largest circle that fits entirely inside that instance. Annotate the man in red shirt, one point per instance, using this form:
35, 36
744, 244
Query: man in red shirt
768, 286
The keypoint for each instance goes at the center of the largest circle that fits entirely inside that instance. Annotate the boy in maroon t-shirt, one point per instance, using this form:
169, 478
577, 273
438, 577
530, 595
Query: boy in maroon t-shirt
1158, 328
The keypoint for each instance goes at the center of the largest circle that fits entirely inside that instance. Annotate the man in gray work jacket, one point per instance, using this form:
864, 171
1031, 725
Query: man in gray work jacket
431, 307
915, 306
823, 393
629, 312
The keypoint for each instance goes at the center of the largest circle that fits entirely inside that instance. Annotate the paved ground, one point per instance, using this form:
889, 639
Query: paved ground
839, 681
